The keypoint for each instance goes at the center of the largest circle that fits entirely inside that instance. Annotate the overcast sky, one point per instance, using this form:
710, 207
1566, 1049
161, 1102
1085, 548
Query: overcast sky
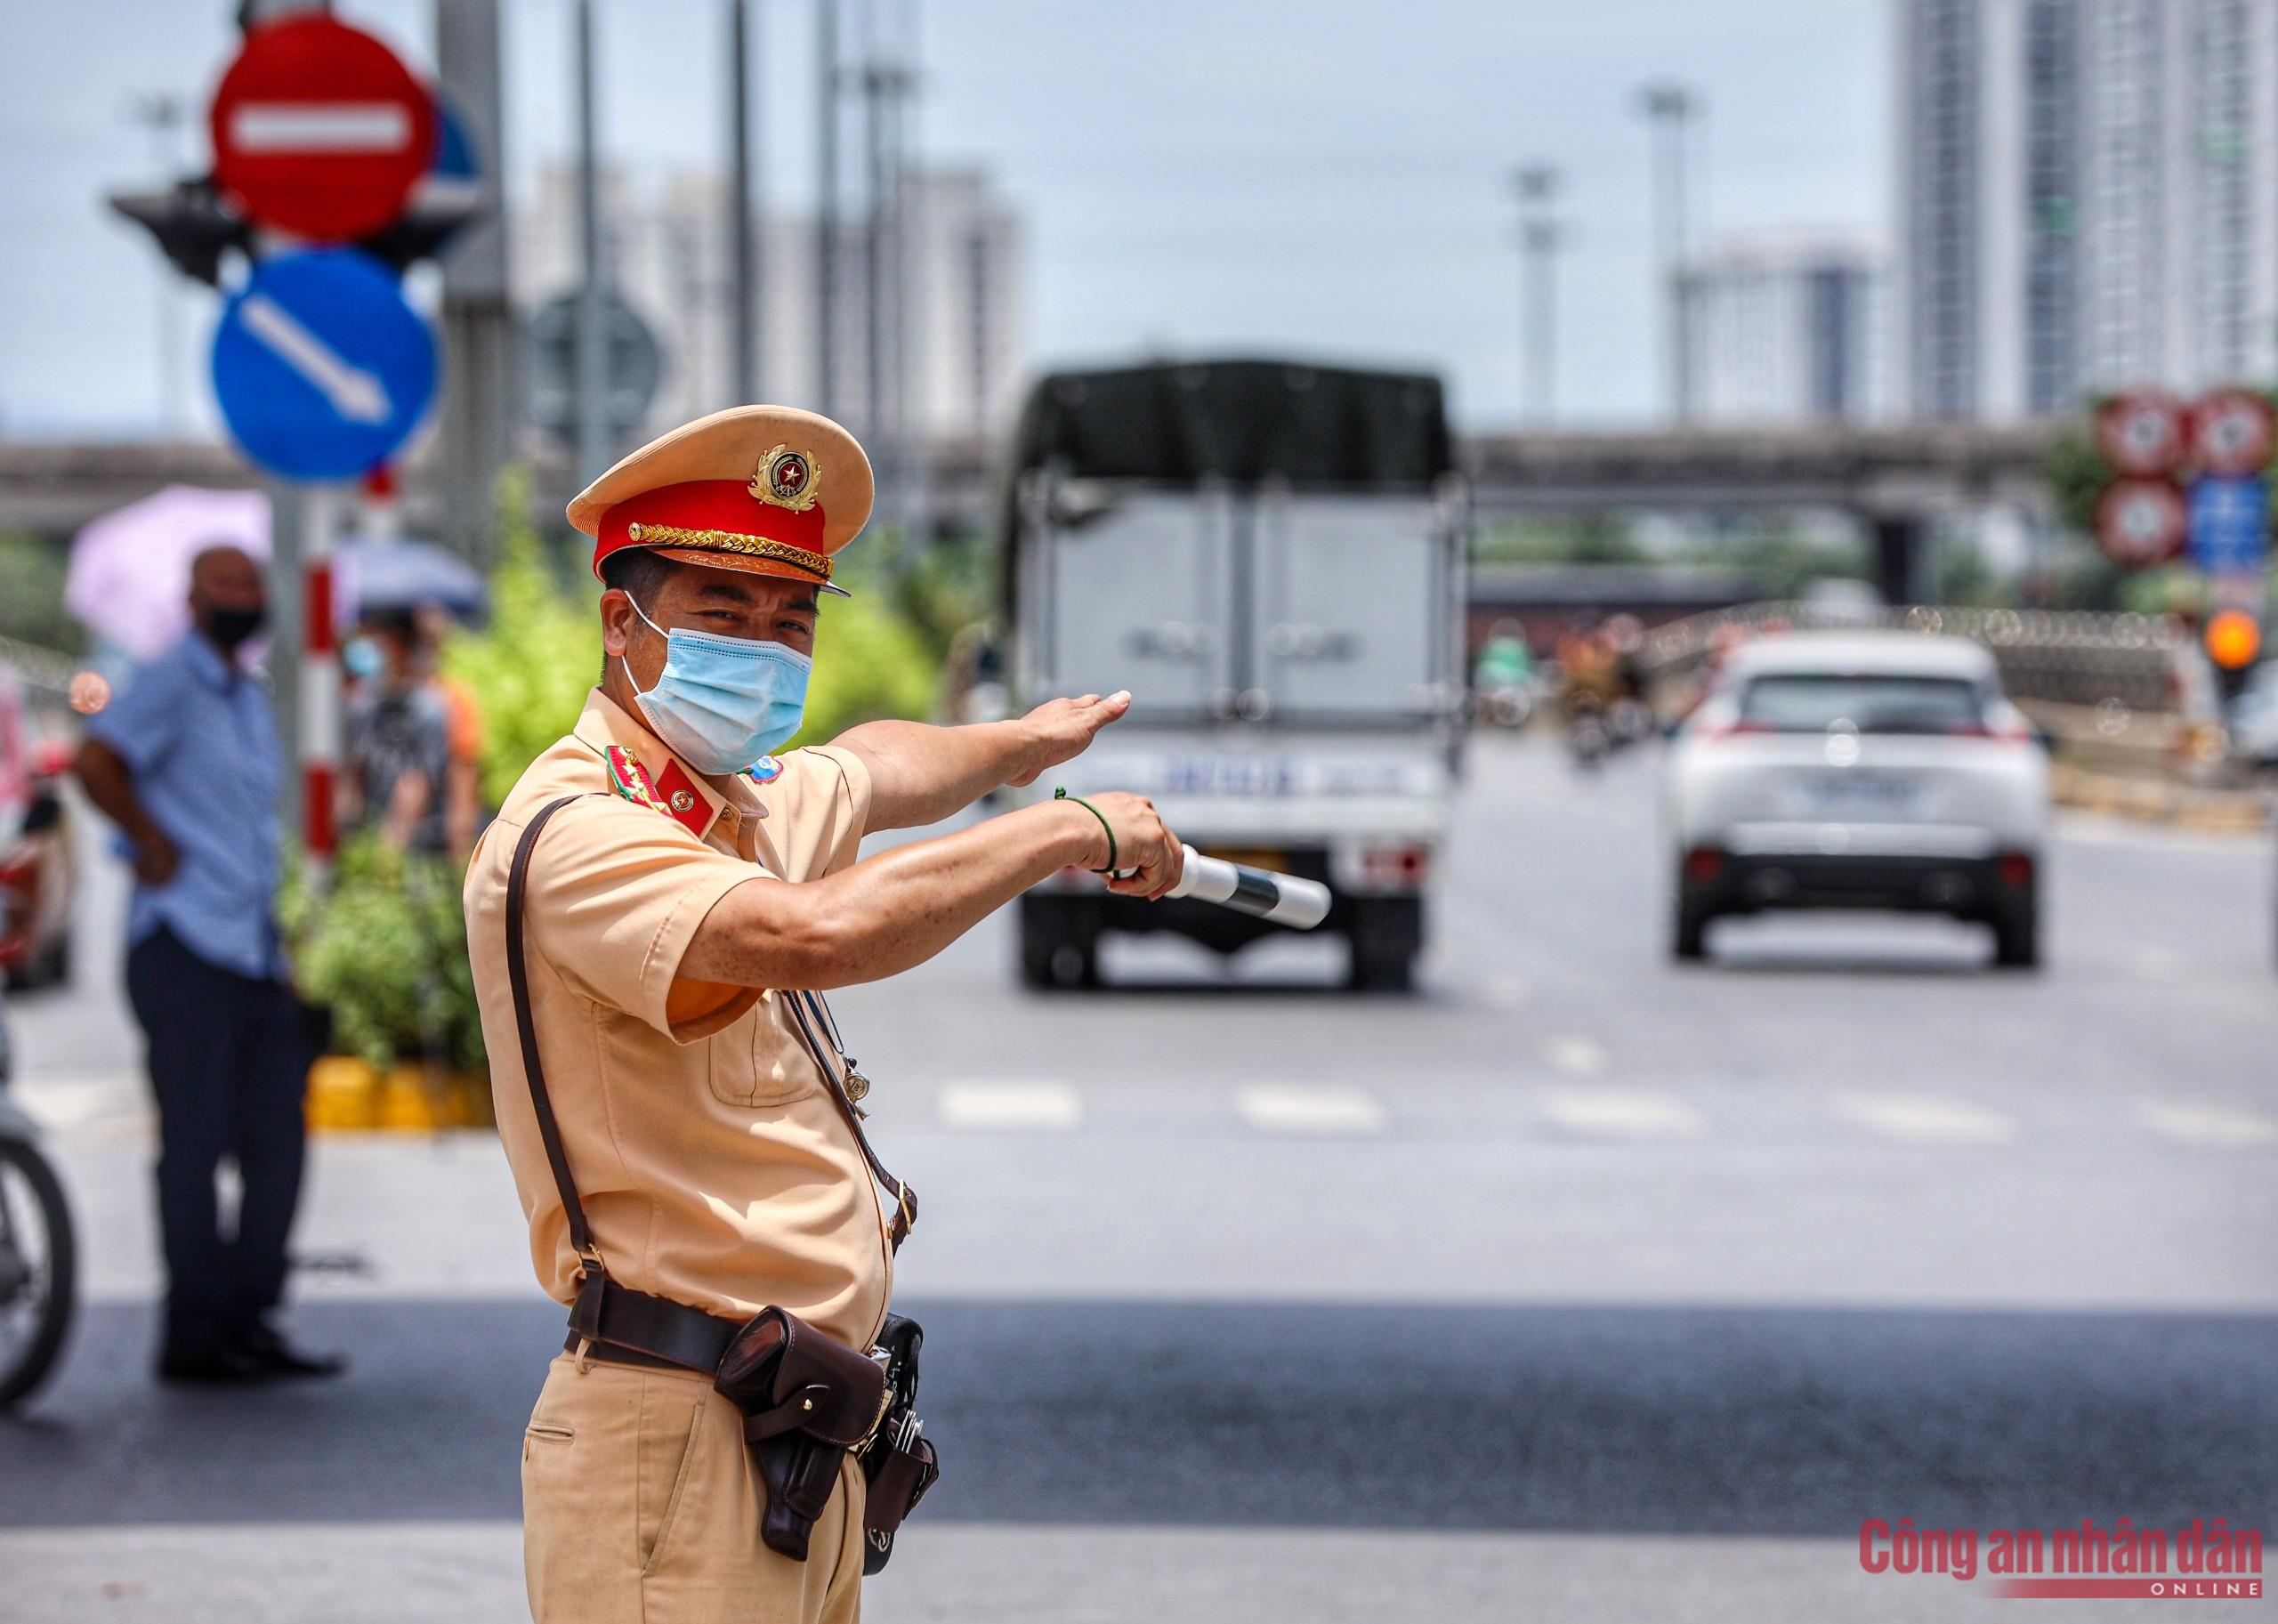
1324, 176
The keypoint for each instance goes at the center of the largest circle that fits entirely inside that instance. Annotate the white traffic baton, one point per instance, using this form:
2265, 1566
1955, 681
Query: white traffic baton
1283, 898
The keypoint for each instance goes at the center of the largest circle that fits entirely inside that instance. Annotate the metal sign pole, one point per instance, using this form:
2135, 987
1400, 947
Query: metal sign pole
319, 719
593, 355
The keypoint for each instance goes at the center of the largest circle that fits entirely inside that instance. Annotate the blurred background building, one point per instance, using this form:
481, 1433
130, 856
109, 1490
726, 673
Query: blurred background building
1782, 328
2087, 197
951, 323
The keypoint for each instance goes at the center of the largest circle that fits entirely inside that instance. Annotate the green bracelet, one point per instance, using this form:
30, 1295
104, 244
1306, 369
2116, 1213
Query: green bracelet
1061, 793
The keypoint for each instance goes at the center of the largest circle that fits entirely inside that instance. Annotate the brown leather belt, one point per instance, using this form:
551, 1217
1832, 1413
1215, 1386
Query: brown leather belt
606, 1354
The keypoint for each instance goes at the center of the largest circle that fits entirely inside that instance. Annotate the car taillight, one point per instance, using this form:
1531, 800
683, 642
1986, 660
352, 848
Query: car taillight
2015, 870
2008, 733
1703, 864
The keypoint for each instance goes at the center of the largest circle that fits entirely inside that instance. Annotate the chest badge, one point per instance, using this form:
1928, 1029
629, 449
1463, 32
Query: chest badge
766, 770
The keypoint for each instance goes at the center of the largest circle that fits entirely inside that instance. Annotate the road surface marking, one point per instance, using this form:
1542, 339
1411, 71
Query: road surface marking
1920, 1118
2203, 1122
1613, 1113
1575, 1053
1504, 992
1310, 1110
2158, 965
354, 393
1016, 1107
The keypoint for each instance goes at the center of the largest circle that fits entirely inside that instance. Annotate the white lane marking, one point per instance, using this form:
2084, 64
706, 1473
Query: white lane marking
1615, 1113
1576, 1054
321, 127
2158, 965
1921, 1118
354, 393
2206, 1124
1274, 1109
1017, 1107
1505, 992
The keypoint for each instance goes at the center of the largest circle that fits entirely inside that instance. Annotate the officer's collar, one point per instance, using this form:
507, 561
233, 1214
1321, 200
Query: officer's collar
605, 723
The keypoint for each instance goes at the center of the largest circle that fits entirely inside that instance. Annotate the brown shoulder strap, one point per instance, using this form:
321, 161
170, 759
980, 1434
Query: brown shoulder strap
803, 1005
550, 1130
517, 978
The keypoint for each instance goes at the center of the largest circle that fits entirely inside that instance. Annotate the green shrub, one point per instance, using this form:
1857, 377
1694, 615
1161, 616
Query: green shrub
383, 948
872, 660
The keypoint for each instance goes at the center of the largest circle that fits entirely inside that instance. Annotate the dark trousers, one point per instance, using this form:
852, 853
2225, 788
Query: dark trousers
230, 1064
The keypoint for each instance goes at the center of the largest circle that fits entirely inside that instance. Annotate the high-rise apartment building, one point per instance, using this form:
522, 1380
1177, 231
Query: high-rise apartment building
2087, 200
1781, 329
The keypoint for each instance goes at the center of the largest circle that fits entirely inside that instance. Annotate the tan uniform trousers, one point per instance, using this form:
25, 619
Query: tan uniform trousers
641, 1506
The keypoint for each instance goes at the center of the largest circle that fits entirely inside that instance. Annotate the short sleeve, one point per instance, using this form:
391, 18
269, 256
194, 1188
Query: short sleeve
817, 809
144, 721
616, 894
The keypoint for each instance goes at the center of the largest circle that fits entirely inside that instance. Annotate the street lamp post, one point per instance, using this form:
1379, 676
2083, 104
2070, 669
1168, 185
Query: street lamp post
1539, 235
1671, 109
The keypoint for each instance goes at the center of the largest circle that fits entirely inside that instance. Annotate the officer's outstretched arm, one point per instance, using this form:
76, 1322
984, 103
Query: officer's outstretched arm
900, 908
921, 774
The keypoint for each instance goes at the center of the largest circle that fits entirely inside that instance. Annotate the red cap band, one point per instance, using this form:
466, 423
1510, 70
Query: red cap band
716, 516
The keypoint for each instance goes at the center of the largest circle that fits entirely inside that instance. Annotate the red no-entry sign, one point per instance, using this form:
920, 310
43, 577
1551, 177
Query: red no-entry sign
319, 129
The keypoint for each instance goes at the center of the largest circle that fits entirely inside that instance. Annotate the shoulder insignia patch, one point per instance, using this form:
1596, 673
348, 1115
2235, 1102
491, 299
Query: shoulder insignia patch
631, 780
766, 770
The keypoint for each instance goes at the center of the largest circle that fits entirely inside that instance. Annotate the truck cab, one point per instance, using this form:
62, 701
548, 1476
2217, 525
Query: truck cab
1269, 556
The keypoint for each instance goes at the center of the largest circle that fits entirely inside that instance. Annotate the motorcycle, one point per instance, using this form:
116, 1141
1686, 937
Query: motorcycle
38, 1252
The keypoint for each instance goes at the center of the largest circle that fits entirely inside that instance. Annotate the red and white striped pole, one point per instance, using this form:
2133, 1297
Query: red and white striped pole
319, 682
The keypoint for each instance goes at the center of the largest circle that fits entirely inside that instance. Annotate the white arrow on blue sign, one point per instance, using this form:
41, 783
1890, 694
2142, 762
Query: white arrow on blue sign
321, 367
2230, 523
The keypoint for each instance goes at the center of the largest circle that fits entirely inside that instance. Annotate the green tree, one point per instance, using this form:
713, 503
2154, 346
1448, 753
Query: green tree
530, 667
31, 595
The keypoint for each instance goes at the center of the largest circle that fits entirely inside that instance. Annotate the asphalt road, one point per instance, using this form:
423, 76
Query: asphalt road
1578, 1286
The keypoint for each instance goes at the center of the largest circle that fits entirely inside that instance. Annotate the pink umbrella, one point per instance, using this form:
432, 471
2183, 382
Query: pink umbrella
129, 582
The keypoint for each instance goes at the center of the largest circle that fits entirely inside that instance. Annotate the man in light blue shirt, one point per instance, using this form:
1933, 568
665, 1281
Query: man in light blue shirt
185, 761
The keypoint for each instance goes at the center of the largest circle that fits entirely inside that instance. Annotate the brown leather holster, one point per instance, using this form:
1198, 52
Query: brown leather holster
806, 1398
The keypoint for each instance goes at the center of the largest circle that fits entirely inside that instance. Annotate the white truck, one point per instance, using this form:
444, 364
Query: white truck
1270, 557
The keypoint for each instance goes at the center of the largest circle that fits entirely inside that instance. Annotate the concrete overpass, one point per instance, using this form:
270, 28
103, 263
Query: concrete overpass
1895, 480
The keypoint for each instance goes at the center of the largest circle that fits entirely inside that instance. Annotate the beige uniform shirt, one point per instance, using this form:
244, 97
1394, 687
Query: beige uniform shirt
713, 1165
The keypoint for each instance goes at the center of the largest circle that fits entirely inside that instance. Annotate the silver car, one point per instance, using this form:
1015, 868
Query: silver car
1871, 770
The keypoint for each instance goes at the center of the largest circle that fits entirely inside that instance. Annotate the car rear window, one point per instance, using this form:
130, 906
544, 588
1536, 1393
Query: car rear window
1804, 703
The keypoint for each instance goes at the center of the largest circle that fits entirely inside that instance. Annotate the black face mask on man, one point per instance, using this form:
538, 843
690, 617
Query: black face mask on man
228, 627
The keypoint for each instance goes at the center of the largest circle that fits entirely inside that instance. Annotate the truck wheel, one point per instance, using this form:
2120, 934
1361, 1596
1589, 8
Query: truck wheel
1381, 966
1056, 950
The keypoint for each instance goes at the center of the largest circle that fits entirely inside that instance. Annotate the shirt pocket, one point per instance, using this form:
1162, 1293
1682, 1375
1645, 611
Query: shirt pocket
760, 1060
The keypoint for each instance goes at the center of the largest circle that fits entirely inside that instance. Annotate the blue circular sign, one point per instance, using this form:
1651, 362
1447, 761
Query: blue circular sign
321, 367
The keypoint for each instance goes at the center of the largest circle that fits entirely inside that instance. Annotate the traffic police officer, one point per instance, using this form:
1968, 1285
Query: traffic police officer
668, 911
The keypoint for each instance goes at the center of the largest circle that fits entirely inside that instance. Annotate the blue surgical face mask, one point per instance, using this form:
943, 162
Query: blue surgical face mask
723, 702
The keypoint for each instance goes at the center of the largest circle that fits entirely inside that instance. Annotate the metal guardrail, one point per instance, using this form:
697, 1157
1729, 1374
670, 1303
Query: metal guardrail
2065, 657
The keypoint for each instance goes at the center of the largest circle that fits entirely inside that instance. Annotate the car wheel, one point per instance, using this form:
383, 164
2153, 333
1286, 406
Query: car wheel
1689, 935
2016, 941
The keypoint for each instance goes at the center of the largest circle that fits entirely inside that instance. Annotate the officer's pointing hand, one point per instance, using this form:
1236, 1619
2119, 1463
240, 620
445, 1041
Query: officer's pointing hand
1148, 856
1061, 729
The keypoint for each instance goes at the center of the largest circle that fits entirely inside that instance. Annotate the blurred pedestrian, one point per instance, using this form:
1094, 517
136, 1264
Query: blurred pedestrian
398, 755
464, 810
185, 762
